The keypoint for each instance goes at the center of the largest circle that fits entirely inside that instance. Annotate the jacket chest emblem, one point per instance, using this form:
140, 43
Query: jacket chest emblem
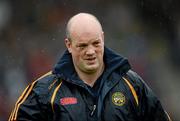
118, 98
68, 101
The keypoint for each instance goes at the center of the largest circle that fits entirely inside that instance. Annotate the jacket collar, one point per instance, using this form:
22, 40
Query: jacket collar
113, 62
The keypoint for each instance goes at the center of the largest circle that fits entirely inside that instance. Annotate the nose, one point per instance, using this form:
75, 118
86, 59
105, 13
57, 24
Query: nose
90, 51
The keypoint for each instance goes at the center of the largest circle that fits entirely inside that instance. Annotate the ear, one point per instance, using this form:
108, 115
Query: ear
68, 45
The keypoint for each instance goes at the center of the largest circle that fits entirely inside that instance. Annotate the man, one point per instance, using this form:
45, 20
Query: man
89, 83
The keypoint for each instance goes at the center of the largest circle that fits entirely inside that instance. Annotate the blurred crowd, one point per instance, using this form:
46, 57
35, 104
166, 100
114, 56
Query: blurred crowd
147, 32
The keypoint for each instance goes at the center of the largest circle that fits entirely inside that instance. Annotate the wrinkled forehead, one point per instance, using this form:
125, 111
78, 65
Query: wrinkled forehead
87, 39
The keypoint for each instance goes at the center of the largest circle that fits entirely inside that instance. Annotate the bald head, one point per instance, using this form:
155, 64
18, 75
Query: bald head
83, 23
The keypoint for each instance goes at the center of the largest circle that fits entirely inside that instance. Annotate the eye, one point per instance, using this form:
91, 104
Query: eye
96, 44
82, 46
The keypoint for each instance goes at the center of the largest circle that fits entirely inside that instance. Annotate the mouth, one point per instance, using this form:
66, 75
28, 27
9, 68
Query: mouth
91, 60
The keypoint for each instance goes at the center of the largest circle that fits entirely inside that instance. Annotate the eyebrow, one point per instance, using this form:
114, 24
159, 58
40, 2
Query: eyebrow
97, 38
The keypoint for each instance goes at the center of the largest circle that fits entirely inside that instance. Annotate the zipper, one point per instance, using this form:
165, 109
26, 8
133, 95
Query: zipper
94, 108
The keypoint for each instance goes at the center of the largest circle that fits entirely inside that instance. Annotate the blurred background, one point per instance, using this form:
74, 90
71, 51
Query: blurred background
147, 32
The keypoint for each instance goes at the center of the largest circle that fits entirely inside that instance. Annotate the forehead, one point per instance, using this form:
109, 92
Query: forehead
84, 28
86, 39
86, 34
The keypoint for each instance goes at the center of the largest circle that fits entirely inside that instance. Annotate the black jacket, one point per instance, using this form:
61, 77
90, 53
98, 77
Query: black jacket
120, 95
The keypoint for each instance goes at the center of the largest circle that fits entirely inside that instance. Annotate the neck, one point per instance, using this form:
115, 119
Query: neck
90, 78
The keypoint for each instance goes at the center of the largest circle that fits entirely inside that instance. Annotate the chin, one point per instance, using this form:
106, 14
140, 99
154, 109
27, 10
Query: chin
91, 69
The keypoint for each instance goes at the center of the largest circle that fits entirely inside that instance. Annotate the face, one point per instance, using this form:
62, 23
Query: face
87, 52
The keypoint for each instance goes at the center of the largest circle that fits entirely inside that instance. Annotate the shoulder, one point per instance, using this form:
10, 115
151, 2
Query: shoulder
44, 84
140, 86
133, 78
136, 80
133, 75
